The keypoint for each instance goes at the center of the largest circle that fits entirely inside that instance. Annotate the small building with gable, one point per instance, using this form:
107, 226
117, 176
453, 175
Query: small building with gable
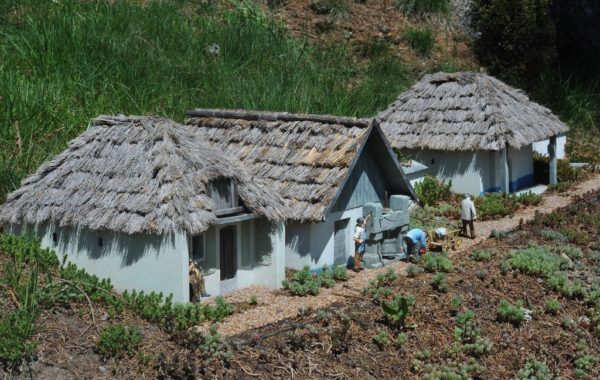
473, 130
325, 168
134, 198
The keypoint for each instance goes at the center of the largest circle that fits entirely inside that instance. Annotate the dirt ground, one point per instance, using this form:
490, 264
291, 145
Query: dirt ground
331, 335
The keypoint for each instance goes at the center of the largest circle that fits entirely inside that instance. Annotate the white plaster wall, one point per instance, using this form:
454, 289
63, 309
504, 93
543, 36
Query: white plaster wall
542, 146
320, 241
465, 169
521, 163
138, 261
256, 273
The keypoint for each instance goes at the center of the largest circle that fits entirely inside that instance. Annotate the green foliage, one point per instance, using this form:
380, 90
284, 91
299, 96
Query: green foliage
509, 313
64, 62
420, 40
118, 340
536, 370
438, 281
572, 251
584, 361
339, 273
498, 205
515, 40
381, 339
552, 306
554, 235
413, 270
424, 7
455, 302
538, 260
564, 172
401, 340
423, 355
436, 262
481, 255
468, 335
16, 327
213, 345
304, 282
461, 371
253, 300
432, 191
398, 309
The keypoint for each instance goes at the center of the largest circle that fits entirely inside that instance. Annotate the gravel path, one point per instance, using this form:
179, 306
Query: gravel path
274, 305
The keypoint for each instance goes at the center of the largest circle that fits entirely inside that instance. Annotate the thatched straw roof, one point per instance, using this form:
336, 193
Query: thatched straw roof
304, 158
466, 111
134, 175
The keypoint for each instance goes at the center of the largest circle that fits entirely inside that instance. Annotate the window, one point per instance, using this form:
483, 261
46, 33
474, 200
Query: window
55, 238
433, 161
222, 192
197, 252
100, 242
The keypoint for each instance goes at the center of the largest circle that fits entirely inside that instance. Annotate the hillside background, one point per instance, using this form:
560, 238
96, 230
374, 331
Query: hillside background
63, 62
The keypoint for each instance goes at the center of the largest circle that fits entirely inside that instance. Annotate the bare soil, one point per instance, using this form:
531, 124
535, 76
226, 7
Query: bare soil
331, 335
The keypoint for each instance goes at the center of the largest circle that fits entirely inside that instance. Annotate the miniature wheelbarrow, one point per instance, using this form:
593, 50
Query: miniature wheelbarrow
443, 240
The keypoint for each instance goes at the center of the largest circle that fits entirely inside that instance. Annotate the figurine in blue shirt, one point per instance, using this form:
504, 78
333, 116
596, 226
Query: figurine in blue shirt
415, 239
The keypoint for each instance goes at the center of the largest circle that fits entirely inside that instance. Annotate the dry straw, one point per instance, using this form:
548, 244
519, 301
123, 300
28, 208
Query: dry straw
135, 175
304, 158
466, 111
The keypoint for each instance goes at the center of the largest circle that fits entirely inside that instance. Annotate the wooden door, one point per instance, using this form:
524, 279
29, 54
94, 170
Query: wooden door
227, 238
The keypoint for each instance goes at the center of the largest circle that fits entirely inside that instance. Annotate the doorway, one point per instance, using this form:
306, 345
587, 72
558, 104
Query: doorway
227, 239
340, 242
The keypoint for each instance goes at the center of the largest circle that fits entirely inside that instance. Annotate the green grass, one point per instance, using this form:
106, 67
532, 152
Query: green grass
421, 41
63, 63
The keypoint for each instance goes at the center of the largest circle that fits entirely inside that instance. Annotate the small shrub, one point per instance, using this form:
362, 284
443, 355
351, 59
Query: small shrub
212, 345
401, 340
554, 235
304, 282
536, 370
455, 302
552, 306
16, 327
340, 273
436, 262
118, 340
421, 41
573, 252
423, 355
413, 270
584, 361
439, 283
253, 300
432, 191
537, 260
381, 339
482, 255
509, 313
398, 309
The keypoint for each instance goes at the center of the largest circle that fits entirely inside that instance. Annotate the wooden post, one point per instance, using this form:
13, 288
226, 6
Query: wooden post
553, 161
504, 172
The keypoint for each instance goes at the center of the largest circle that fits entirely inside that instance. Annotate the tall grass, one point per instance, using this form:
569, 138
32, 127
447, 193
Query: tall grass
63, 63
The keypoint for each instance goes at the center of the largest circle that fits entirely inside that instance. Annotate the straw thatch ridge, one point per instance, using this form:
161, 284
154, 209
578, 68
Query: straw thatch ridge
466, 111
304, 160
278, 116
134, 175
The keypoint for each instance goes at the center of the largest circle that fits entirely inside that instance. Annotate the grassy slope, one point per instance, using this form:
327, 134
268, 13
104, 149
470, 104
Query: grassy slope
63, 63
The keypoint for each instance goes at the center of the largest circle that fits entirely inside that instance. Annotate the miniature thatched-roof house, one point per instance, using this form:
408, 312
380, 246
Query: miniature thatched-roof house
470, 128
326, 168
133, 197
